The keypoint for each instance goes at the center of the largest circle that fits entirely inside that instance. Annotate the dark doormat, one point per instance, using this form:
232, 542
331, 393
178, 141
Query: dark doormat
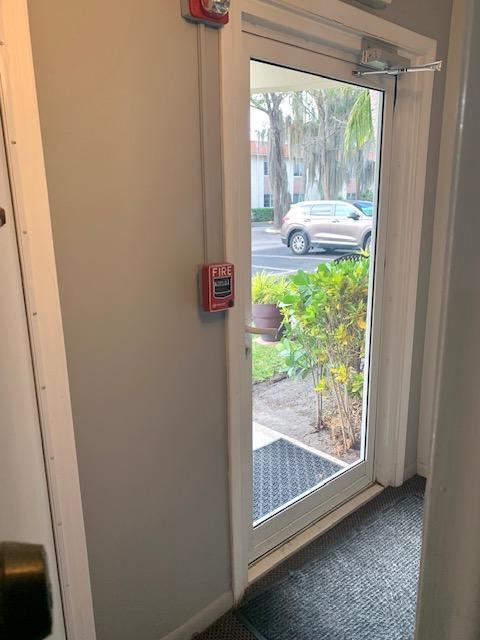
358, 582
283, 471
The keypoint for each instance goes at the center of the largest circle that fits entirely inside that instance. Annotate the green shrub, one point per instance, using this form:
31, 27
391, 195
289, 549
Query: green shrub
367, 195
268, 289
325, 316
262, 214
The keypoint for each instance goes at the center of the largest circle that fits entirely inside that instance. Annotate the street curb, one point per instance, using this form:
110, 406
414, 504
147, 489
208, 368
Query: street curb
273, 231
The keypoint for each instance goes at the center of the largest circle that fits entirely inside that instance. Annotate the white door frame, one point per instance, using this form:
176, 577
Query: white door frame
32, 219
333, 28
289, 521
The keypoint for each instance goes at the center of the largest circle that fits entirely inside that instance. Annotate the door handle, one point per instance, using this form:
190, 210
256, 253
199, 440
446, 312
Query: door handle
25, 605
258, 331
307, 219
3, 217
336, 221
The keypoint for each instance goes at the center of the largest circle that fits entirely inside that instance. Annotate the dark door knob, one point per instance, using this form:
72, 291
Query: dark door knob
25, 602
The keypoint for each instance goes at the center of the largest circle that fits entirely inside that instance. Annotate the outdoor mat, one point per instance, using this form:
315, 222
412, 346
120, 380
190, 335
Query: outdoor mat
357, 582
282, 471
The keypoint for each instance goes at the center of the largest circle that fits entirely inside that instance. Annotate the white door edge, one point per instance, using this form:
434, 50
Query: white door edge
32, 217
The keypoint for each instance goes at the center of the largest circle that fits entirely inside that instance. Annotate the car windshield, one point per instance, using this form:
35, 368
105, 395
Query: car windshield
366, 207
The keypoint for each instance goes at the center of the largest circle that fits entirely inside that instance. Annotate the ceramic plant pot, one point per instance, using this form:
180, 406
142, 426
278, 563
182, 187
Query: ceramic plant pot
267, 316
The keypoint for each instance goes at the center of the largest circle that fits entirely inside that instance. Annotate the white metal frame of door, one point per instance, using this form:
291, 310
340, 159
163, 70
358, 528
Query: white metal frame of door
304, 511
332, 28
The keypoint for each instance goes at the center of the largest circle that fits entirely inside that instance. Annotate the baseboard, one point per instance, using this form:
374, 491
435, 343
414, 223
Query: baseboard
203, 618
410, 471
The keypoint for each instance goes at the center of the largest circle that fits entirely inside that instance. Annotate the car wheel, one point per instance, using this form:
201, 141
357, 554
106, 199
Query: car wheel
367, 243
299, 243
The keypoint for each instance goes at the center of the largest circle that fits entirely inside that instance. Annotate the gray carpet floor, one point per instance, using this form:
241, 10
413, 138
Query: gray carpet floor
373, 553
283, 471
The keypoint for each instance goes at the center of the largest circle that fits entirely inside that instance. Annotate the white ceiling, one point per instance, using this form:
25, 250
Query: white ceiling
268, 77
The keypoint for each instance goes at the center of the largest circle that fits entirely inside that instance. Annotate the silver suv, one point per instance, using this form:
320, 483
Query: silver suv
328, 224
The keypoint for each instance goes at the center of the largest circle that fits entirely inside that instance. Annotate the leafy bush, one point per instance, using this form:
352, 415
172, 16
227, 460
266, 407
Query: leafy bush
367, 195
268, 289
325, 322
262, 214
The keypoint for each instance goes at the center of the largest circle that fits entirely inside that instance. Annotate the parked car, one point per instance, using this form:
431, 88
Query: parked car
328, 224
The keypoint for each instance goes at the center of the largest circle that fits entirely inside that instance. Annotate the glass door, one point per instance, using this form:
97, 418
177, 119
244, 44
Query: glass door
317, 163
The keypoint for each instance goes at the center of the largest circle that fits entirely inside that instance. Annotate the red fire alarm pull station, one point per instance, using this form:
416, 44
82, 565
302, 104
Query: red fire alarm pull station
218, 286
211, 12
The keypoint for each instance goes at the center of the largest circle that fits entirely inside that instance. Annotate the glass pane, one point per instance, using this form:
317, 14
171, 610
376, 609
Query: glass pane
322, 210
313, 140
343, 210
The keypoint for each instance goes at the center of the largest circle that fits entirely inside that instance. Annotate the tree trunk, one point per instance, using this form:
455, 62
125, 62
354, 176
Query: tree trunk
277, 164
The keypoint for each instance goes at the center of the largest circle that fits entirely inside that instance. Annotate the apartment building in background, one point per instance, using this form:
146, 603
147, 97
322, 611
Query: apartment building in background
298, 186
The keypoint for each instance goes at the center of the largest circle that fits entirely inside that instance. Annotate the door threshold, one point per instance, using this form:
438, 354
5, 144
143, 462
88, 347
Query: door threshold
266, 563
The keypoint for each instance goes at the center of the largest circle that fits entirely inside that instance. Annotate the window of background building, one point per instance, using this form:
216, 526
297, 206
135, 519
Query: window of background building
298, 168
265, 168
267, 200
298, 197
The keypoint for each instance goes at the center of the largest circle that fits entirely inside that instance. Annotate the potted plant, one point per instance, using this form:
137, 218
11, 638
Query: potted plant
267, 292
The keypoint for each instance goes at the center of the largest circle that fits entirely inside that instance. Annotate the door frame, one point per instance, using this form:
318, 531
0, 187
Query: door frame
35, 242
338, 490
330, 27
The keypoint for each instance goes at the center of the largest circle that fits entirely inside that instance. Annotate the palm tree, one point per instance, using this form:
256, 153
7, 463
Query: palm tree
362, 122
360, 139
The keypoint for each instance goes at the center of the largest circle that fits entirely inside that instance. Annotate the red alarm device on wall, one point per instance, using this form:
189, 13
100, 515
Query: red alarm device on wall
218, 286
211, 12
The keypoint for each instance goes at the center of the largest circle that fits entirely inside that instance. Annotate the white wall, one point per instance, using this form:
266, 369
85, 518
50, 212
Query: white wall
450, 585
119, 106
257, 180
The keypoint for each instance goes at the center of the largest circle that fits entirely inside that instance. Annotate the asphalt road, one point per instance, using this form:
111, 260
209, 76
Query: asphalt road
271, 255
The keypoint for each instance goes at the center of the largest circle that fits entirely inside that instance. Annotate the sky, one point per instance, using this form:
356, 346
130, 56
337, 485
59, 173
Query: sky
258, 121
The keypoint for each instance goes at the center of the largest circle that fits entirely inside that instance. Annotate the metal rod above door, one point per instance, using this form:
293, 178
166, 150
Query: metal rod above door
432, 66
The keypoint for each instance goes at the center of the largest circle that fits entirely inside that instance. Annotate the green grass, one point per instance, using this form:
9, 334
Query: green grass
266, 361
